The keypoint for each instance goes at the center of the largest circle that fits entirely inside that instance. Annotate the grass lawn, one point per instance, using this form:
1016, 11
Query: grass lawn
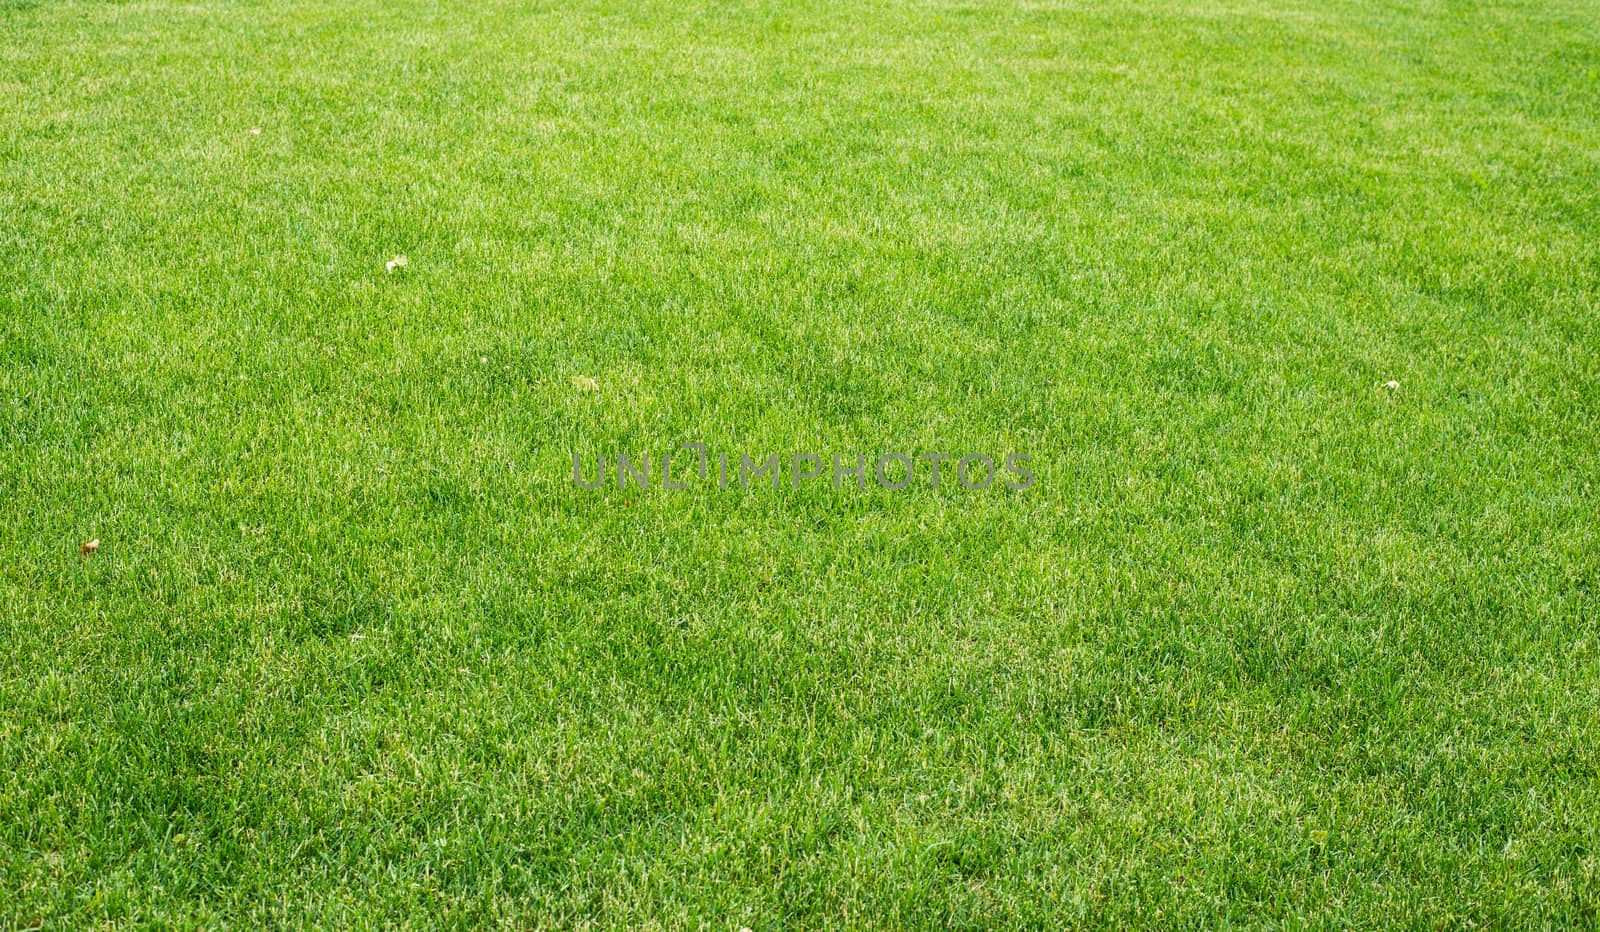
1294, 306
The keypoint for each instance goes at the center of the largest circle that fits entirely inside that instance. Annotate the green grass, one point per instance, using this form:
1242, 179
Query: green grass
1269, 642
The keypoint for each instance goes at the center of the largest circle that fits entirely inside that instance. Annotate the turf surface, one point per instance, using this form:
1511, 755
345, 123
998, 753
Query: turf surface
1295, 306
